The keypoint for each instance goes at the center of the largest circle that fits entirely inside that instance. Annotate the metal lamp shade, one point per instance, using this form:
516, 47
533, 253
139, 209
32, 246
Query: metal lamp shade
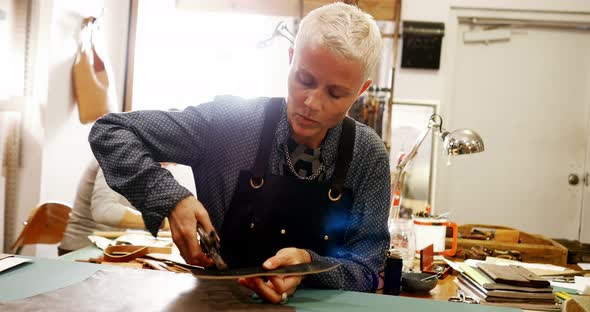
462, 141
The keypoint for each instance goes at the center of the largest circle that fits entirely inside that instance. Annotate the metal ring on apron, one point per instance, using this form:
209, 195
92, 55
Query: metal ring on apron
334, 199
256, 186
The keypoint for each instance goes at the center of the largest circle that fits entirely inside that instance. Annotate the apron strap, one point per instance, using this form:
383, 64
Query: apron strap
272, 114
345, 152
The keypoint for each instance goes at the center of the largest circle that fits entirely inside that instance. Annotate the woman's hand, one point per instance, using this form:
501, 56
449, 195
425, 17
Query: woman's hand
277, 288
183, 223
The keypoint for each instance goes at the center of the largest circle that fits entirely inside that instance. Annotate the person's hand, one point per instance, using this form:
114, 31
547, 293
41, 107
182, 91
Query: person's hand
183, 223
277, 288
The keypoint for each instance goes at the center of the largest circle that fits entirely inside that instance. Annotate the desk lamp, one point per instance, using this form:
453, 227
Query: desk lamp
281, 30
458, 142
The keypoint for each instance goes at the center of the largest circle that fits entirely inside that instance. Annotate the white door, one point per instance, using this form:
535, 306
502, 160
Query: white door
528, 97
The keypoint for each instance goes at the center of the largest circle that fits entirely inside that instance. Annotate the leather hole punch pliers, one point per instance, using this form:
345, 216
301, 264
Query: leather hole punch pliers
210, 246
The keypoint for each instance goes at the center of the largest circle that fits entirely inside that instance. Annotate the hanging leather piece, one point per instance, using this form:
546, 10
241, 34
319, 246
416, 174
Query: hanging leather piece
91, 77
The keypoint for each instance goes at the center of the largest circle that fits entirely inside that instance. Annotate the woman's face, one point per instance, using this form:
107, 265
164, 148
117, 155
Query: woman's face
322, 88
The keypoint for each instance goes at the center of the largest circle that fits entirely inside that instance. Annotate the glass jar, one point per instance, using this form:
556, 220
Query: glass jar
403, 240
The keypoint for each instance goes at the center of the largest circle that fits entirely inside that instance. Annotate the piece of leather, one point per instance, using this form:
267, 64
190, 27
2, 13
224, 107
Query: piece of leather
154, 264
513, 275
126, 253
296, 269
144, 290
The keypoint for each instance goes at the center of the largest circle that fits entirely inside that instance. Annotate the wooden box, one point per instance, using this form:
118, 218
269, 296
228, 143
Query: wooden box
533, 248
576, 250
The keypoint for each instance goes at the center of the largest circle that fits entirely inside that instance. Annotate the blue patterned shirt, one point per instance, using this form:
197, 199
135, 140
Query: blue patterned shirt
220, 138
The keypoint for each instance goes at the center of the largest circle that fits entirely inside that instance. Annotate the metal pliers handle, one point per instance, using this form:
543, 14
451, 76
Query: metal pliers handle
211, 247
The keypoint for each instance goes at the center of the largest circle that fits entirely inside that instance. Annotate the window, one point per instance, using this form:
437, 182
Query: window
184, 57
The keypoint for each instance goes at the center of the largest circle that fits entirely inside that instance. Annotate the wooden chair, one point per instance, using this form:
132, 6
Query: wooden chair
46, 225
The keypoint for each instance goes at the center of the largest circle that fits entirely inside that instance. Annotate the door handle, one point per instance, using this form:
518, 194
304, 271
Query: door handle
573, 179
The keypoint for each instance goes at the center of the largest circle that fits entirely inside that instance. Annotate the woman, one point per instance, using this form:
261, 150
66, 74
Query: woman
284, 182
97, 208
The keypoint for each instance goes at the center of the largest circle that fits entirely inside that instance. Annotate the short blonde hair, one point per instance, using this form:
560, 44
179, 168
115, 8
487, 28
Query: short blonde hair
344, 30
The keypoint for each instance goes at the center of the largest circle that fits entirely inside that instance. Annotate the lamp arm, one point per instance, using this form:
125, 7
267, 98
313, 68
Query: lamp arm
401, 167
434, 122
406, 160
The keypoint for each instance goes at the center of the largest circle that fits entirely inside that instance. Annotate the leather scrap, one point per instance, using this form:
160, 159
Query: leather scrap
126, 253
296, 269
144, 290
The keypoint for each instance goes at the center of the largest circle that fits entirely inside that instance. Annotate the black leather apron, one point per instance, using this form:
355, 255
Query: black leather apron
269, 212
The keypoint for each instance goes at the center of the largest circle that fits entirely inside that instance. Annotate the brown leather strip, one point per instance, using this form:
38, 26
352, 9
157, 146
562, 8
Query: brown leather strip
124, 253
